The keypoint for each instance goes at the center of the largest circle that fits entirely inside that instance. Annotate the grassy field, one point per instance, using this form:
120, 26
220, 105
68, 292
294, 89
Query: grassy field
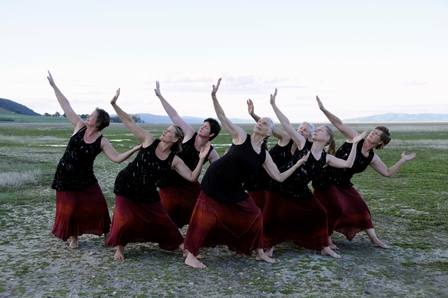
410, 213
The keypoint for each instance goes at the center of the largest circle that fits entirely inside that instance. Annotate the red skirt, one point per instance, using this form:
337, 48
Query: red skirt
179, 201
143, 222
237, 225
302, 221
81, 212
347, 210
259, 197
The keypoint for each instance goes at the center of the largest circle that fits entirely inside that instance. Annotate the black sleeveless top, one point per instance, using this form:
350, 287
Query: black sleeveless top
296, 185
75, 168
190, 156
137, 181
223, 180
342, 177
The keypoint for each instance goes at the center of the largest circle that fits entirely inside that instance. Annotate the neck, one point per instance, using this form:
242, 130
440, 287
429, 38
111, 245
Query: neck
367, 145
257, 139
317, 146
164, 147
200, 141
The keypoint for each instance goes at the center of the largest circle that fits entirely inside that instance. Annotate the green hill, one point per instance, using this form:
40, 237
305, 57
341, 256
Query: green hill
17, 108
11, 111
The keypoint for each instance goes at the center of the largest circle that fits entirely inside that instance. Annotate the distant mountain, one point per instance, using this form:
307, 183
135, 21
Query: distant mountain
400, 117
11, 106
158, 119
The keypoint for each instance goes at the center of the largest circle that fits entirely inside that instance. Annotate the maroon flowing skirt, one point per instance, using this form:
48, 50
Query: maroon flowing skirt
347, 210
237, 225
179, 201
81, 212
143, 222
302, 221
259, 197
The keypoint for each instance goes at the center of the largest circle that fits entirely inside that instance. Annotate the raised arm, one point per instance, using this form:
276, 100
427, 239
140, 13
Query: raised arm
272, 170
282, 136
348, 132
179, 166
113, 155
237, 133
341, 163
174, 116
144, 136
378, 165
297, 137
74, 119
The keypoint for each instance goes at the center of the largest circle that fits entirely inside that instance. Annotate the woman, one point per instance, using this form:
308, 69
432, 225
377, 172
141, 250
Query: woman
177, 194
258, 185
292, 213
81, 207
346, 207
139, 216
224, 212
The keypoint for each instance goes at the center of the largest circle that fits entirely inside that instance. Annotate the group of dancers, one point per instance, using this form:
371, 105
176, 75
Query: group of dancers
251, 198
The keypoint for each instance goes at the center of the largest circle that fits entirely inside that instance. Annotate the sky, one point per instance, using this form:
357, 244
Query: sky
360, 57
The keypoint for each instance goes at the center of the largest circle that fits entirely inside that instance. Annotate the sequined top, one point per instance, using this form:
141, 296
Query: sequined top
137, 181
75, 168
223, 180
190, 156
296, 185
342, 177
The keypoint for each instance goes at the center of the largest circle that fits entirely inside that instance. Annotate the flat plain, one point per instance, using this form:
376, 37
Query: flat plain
410, 213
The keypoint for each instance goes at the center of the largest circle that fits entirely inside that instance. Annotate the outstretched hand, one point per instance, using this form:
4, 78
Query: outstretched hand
250, 106
408, 157
114, 99
303, 159
50, 80
319, 103
215, 88
359, 137
157, 90
273, 97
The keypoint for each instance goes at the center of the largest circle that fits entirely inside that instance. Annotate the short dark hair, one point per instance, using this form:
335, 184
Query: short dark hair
102, 119
215, 128
385, 137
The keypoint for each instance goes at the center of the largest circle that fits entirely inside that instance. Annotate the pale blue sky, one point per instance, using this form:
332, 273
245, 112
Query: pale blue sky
361, 57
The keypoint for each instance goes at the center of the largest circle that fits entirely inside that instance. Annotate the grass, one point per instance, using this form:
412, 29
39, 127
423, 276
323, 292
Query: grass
410, 212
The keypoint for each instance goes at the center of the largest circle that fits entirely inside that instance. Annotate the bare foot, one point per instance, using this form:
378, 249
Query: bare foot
74, 242
379, 244
331, 244
119, 254
192, 261
106, 237
374, 239
261, 256
270, 251
326, 251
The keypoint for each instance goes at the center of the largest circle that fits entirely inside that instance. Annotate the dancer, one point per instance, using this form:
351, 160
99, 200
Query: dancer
291, 212
81, 207
258, 185
177, 194
139, 216
346, 208
224, 213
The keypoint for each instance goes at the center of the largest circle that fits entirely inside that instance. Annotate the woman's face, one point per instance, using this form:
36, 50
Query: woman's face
91, 119
321, 134
263, 127
204, 130
169, 134
375, 136
304, 130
